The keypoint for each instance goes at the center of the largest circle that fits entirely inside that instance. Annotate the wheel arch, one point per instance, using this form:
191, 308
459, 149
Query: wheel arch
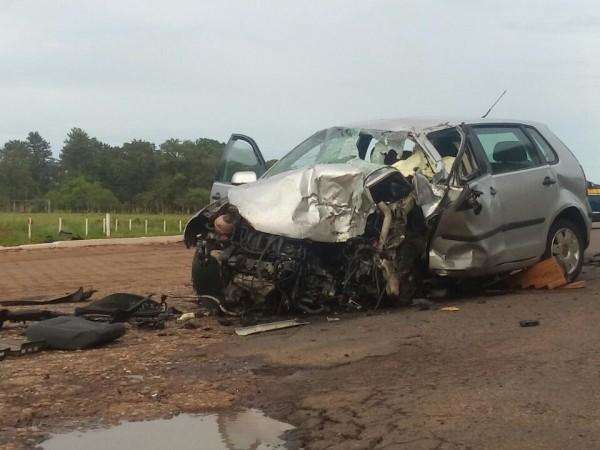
574, 214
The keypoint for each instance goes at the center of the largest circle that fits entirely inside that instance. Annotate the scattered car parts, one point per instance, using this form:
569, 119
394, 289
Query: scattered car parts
74, 333
75, 297
261, 328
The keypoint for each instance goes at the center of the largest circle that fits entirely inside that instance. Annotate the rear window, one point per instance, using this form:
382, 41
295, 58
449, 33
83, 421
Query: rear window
543, 145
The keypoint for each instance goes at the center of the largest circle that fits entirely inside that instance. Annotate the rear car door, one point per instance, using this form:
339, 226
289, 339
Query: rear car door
525, 183
241, 154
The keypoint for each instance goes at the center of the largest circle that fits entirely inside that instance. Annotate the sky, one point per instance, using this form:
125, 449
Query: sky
279, 70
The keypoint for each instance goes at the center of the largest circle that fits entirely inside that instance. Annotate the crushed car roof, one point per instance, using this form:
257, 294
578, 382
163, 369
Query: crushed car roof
427, 124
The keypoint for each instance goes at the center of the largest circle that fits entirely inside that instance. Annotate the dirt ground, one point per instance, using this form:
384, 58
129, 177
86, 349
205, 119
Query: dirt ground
398, 378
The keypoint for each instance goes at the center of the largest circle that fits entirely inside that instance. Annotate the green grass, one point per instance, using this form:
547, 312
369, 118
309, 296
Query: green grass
13, 226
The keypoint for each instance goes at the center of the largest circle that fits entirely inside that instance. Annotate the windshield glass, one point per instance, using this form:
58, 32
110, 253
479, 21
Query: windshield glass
341, 145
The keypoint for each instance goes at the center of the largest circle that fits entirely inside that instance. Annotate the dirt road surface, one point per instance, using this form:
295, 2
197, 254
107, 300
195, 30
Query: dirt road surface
397, 378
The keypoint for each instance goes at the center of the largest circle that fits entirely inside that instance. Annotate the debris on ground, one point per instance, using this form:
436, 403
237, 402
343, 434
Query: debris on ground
186, 317
6, 315
450, 308
333, 319
122, 307
25, 348
74, 333
529, 323
261, 328
575, 285
75, 297
545, 274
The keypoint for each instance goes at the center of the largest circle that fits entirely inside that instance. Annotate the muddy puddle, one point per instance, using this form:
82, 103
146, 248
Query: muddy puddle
247, 429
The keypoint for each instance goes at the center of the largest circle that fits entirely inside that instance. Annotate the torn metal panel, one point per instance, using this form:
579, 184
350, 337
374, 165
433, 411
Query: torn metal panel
324, 203
261, 328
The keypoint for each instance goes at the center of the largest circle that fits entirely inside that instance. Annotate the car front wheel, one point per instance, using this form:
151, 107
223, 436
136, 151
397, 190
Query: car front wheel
565, 243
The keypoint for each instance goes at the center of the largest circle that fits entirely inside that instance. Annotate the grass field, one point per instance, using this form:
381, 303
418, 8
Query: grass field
13, 226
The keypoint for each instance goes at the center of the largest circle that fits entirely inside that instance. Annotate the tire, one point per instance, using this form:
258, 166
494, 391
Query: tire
565, 242
206, 275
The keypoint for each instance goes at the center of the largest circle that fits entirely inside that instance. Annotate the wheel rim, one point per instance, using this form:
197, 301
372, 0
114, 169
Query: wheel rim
565, 248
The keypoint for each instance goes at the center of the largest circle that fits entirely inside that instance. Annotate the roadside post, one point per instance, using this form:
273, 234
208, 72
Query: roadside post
59, 224
146, 226
86, 227
164, 225
180, 225
117, 224
107, 221
129, 224
29, 228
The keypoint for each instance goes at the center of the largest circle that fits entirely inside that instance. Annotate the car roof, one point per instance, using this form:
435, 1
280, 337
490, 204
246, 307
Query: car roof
428, 124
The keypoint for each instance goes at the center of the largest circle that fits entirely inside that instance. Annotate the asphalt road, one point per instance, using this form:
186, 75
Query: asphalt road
400, 378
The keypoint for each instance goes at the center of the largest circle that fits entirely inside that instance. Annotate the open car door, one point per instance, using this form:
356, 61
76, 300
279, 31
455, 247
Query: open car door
242, 162
467, 237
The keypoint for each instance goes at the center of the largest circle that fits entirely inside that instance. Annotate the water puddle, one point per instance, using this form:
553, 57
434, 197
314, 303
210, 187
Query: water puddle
248, 429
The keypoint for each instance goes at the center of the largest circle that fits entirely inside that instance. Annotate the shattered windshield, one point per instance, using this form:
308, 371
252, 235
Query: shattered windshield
342, 145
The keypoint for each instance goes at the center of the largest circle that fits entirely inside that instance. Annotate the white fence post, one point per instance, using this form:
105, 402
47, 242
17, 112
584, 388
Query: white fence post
29, 228
103, 225
117, 224
164, 225
180, 225
146, 226
107, 224
86, 227
59, 224
129, 224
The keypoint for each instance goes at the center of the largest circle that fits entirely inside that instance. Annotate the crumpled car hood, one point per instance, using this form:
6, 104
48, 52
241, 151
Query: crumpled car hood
324, 203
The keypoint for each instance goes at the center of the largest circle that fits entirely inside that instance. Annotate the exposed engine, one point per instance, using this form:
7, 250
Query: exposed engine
248, 270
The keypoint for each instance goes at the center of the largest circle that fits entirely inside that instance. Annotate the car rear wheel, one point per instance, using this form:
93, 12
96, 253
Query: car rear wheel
565, 243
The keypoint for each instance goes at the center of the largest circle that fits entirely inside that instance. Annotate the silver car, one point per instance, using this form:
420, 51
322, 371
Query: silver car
367, 210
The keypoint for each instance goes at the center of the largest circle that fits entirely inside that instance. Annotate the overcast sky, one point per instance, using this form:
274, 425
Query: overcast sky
279, 70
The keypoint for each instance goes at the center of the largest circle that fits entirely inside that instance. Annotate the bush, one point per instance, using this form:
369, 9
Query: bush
79, 194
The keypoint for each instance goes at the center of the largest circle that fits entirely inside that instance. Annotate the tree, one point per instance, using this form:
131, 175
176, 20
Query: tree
90, 174
16, 175
80, 156
43, 165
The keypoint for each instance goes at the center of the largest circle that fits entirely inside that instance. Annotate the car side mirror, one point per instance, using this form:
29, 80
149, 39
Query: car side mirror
243, 177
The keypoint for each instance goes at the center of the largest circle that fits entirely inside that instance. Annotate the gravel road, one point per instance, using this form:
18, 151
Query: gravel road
398, 378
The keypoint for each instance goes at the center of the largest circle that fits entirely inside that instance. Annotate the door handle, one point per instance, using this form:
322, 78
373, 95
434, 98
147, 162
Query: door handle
216, 196
548, 181
492, 190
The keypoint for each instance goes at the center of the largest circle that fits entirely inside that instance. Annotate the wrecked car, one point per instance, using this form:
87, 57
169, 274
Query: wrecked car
355, 215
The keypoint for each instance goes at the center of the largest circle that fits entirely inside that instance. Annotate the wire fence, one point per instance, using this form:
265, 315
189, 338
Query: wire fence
20, 228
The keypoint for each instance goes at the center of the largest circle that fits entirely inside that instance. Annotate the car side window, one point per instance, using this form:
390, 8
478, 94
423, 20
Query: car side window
507, 149
543, 145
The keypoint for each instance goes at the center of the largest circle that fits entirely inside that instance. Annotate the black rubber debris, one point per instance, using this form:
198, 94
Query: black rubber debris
529, 323
73, 333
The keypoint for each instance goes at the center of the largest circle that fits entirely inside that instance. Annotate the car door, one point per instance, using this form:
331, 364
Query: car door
525, 184
467, 237
241, 154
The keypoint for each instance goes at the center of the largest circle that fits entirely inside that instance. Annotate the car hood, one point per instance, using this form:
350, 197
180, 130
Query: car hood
324, 203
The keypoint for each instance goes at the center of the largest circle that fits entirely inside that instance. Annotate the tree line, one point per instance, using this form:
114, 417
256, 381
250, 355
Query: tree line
90, 175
